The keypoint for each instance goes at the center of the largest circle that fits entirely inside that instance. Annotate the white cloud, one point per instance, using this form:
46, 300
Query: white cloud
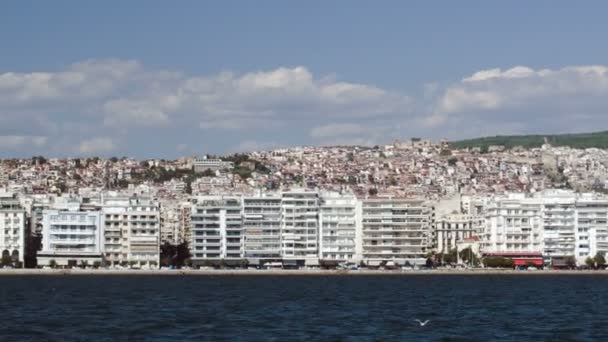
96, 146
521, 86
337, 129
537, 100
17, 141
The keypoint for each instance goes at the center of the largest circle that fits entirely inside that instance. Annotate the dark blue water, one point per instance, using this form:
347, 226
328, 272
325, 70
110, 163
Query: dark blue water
304, 308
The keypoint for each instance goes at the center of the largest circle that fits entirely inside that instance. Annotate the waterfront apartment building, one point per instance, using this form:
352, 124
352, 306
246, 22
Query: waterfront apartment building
340, 224
554, 224
300, 227
12, 229
72, 236
397, 230
217, 226
131, 231
513, 224
262, 229
453, 228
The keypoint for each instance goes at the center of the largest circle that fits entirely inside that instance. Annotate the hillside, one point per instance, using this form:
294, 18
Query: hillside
578, 140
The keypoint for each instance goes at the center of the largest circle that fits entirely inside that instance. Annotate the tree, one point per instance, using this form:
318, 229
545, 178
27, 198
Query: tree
53, 263
590, 262
571, 262
468, 256
97, 264
373, 192
208, 173
174, 255
451, 257
188, 188
445, 152
452, 161
429, 263
599, 259
7, 260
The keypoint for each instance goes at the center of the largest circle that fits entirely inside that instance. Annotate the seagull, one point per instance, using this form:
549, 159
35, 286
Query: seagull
422, 323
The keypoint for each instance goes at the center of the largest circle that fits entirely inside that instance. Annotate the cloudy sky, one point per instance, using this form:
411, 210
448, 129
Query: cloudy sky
164, 79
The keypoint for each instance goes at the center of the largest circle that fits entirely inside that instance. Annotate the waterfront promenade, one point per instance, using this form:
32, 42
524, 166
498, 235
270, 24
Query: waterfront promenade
252, 272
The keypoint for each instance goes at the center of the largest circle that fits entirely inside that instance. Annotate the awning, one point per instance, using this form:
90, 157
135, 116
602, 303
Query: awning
311, 262
523, 262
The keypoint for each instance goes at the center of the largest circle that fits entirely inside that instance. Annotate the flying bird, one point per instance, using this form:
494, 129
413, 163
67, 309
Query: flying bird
422, 323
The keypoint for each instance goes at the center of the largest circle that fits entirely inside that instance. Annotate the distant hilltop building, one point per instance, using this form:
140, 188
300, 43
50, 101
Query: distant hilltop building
204, 163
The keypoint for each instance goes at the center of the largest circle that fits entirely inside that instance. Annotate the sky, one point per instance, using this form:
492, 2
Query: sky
160, 79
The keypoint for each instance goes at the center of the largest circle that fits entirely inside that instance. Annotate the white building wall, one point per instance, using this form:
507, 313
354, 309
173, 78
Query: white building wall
71, 236
12, 229
338, 227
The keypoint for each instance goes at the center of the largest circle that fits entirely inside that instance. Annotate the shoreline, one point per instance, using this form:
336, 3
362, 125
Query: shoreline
193, 272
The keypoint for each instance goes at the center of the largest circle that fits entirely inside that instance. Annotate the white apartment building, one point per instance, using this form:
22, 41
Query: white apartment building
72, 236
554, 223
132, 231
513, 224
217, 227
453, 228
340, 226
262, 228
204, 163
397, 230
12, 228
300, 227
592, 226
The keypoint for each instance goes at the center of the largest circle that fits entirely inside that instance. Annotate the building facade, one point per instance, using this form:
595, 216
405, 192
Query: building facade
12, 229
132, 231
72, 237
397, 230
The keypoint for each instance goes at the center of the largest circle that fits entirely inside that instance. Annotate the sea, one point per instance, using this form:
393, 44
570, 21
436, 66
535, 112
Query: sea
304, 308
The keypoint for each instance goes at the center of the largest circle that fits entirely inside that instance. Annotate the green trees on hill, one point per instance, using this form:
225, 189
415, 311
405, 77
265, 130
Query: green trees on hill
582, 140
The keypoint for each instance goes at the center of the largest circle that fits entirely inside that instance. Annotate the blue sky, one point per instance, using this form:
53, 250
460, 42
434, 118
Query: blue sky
162, 79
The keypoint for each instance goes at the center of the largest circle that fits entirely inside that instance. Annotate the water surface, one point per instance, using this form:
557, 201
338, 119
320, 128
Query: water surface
280, 308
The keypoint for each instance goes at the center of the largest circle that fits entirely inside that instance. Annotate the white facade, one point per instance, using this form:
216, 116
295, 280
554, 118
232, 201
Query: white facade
71, 236
300, 226
340, 224
554, 223
262, 227
132, 231
513, 224
396, 230
204, 163
216, 228
454, 228
12, 228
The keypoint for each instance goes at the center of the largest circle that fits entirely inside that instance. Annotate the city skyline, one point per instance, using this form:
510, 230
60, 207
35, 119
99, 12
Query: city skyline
164, 81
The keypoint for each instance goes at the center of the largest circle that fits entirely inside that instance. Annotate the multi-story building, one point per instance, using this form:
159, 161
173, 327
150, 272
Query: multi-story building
396, 230
12, 229
592, 226
262, 228
452, 228
340, 226
216, 229
132, 231
204, 163
300, 227
553, 224
513, 224
72, 236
